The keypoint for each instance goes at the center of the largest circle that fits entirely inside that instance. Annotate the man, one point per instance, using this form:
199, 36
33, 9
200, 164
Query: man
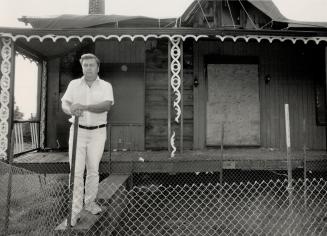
89, 98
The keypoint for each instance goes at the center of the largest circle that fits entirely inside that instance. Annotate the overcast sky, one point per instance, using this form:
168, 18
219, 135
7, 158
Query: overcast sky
10, 10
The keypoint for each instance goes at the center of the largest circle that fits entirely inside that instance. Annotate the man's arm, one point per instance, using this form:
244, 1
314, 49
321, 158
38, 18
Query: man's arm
99, 107
65, 105
71, 109
95, 108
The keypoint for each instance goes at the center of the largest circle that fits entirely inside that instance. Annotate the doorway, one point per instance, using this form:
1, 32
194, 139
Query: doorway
127, 115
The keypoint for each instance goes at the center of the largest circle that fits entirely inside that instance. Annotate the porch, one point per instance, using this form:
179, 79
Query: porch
208, 160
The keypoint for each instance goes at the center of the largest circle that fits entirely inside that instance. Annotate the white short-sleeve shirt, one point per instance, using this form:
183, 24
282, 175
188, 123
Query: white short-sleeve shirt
79, 92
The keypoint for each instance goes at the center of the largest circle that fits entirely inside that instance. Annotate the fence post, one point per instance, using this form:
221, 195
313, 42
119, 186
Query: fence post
109, 146
72, 173
222, 153
288, 154
305, 163
9, 187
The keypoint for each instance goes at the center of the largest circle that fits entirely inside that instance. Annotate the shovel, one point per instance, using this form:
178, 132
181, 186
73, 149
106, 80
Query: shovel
72, 171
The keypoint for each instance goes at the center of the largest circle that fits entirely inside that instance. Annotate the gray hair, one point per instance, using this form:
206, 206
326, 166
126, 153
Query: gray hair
89, 56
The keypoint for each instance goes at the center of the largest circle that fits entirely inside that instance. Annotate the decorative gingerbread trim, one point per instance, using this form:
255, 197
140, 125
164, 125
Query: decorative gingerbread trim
175, 83
5, 96
246, 38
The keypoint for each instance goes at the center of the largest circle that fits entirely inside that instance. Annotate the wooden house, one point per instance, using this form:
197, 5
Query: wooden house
219, 75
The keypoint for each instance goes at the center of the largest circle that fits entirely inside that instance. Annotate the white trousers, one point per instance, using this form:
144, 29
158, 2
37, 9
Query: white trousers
89, 151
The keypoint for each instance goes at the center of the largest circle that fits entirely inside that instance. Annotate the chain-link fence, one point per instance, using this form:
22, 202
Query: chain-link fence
30, 203
230, 202
246, 203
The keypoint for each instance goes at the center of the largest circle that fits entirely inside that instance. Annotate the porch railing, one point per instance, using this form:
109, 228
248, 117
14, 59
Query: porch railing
26, 136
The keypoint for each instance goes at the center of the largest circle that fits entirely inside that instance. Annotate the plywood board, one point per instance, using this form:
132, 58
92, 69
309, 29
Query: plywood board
233, 99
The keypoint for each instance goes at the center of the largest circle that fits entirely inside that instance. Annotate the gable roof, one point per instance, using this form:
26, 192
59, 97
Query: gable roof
266, 6
270, 9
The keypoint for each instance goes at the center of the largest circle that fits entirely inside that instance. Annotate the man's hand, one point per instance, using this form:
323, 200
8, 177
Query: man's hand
77, 109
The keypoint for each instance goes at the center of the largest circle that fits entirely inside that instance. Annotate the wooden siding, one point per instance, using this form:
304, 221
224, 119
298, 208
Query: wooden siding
293, 74
125, 51
293, 79
156, 97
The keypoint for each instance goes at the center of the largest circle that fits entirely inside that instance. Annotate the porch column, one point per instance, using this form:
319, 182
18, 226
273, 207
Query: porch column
175, 94
44, 79
326, 92
6, 96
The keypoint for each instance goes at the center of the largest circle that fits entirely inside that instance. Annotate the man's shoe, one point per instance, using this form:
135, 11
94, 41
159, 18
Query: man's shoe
74, 220
93, 208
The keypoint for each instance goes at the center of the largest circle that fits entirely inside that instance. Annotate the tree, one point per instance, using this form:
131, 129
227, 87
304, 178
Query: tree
18, 115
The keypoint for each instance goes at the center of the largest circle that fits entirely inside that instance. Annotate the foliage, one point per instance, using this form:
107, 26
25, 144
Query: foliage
18, 115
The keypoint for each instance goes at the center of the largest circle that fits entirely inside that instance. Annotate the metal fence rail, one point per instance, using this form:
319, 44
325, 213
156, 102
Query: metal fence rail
175, 206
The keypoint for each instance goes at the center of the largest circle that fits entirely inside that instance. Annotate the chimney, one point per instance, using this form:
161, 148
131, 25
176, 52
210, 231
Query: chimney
96, 7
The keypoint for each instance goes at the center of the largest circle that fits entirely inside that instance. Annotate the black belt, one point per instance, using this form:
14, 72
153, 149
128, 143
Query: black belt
92, 127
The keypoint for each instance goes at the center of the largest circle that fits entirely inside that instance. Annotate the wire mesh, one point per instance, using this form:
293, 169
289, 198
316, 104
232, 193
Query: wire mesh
247, 203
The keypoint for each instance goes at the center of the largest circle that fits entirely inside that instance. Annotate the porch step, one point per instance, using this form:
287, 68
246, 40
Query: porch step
109, 198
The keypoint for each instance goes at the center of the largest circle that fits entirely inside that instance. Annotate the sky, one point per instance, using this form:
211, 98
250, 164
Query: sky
10, 10
26, 86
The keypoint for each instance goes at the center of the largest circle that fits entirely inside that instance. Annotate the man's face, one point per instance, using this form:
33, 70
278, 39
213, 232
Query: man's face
90, 69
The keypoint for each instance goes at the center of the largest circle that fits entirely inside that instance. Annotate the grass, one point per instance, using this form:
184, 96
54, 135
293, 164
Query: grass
234, 209
35, 202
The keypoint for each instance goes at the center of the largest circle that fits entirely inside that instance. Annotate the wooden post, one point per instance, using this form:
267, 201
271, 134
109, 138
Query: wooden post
175, 83
43, 101
326, 92
9, 186
8, 75
182, 102
222, 153
109, 146
288, 153
169, 98
305, 163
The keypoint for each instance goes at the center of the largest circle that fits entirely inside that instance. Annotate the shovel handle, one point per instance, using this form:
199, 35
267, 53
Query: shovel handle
72, 171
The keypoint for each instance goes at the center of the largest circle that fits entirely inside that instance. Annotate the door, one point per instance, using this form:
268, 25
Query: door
127, 115
233, 99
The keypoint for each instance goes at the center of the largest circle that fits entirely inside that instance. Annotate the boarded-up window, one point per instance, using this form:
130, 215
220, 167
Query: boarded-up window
233, 98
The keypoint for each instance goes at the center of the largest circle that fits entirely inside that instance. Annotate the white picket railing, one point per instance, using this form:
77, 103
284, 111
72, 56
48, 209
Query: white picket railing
26, 136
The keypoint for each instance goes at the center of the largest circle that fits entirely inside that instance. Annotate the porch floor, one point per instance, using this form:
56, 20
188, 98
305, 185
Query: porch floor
189, 161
